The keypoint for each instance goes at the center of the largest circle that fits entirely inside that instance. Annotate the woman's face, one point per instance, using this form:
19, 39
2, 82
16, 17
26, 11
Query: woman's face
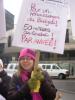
27, 63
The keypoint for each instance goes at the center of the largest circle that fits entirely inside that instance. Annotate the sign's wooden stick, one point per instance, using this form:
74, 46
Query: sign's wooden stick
37, 59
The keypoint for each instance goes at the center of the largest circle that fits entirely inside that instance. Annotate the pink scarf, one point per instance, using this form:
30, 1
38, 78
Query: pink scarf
25, 76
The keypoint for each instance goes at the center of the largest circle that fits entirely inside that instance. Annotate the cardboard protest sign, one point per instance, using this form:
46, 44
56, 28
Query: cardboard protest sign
42, 25
2, 23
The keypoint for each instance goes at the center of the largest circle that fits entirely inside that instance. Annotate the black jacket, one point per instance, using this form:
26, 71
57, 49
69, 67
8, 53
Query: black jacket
4, 83
20, 91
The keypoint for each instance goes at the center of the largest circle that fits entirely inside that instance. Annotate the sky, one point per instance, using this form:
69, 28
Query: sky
14, 7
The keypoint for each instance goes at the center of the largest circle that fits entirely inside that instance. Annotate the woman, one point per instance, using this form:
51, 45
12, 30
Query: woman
19, 88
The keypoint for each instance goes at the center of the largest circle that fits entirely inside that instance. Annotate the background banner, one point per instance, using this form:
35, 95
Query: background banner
2, 23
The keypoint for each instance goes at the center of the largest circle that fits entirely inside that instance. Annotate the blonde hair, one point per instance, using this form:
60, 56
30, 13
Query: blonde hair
19, 69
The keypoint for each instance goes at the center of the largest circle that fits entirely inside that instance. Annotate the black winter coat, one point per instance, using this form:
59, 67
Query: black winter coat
20, 91
4, 83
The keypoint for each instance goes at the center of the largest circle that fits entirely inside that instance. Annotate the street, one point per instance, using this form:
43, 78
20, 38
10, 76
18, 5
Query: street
67, 87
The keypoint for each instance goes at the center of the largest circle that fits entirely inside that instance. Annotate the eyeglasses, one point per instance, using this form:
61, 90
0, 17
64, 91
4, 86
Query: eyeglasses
26, 58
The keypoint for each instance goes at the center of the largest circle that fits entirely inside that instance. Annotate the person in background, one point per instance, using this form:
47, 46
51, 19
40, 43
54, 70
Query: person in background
23, 85
4, 81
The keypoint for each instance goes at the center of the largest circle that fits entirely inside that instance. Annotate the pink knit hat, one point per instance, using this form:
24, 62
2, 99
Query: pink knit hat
27, 52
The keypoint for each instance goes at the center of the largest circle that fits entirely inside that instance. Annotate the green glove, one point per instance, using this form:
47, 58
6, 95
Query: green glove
35, 81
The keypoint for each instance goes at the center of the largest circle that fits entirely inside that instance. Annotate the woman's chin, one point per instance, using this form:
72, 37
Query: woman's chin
27, 69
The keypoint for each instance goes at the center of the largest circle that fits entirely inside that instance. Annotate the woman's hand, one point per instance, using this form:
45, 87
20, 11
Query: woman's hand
35, 80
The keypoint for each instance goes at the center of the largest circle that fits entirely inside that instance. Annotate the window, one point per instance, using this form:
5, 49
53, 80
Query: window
43, 66
16, 67
48, 66
67, 36
9, 41
11, 67
55, 67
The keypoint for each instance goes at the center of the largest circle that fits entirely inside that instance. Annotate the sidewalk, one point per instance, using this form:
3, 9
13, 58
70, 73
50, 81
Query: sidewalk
71, 77
67, 96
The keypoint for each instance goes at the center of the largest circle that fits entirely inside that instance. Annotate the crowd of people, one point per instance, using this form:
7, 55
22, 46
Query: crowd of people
26, 83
